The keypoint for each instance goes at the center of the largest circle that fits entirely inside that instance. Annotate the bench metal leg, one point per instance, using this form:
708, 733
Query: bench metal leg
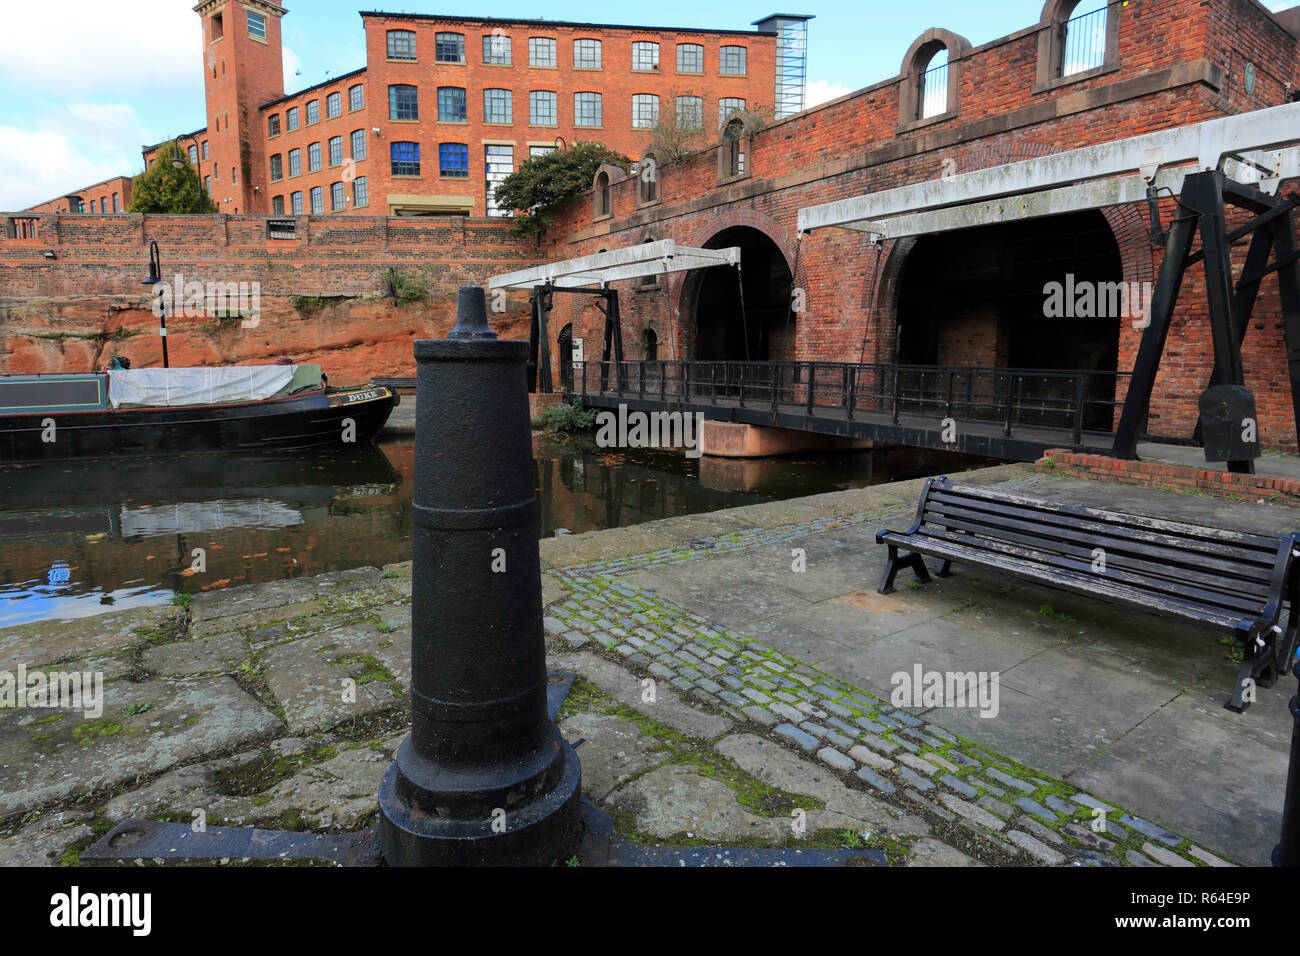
1261, 665
895, 563
945, 570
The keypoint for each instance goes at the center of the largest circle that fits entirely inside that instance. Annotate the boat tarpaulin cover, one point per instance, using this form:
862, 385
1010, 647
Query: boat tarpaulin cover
196, 386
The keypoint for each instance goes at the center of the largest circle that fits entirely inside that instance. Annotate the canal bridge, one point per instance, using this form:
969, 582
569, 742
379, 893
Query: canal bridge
1011, 414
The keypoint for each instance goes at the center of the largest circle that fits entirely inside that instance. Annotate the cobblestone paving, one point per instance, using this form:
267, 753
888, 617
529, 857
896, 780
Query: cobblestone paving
872, 745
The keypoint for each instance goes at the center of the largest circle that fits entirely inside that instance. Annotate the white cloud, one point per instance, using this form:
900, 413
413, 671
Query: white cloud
819, 91
150, 46
39, 165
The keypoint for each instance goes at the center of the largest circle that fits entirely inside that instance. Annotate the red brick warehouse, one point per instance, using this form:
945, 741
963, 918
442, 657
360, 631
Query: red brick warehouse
446, 106
973, 297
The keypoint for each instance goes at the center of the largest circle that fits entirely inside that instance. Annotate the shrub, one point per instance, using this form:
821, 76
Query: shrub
569, 418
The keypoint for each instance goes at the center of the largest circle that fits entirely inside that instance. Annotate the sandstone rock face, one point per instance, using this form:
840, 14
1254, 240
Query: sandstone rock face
352, 339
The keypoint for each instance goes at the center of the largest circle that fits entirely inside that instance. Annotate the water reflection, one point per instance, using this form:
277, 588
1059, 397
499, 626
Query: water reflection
76, 537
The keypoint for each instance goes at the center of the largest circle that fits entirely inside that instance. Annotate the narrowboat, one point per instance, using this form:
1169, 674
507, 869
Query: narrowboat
164, 411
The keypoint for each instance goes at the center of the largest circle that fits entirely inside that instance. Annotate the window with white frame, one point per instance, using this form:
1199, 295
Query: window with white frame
500, 163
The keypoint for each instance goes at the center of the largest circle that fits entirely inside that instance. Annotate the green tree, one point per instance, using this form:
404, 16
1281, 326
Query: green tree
165, 188
542, 182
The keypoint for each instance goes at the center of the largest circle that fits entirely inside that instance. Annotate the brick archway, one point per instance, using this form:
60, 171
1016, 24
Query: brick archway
686, 287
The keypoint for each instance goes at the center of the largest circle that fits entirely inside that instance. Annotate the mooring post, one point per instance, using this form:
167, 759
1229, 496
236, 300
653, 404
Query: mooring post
484, 777
1288, 850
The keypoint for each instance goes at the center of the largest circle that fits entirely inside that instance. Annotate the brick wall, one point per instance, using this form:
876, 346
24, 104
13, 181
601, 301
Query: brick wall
1179, 62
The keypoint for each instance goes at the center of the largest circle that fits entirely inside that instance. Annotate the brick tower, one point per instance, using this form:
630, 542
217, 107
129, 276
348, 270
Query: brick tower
243, 68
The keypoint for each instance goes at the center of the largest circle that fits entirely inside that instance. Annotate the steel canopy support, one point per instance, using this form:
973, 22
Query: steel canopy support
1288, 283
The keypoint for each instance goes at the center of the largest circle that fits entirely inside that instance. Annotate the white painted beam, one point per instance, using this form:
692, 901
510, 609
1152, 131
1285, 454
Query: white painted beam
594, 270
1199, 146
537, 275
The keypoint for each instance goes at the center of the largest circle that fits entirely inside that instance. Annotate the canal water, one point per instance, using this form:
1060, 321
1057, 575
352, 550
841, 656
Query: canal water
77, 538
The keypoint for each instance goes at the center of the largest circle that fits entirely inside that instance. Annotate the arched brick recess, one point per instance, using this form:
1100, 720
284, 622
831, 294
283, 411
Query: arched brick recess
683, 286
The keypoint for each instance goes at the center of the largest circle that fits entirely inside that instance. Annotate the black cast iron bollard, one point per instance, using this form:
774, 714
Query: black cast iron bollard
1288, 851
484, 777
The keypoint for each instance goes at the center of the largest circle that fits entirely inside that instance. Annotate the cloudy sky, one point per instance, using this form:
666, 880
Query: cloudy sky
81, 92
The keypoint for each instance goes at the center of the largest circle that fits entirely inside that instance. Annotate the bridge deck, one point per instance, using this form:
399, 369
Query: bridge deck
1027, 442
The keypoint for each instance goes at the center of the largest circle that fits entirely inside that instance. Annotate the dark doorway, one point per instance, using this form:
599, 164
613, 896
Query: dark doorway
650, 345
987, 298
564, 346
757, 326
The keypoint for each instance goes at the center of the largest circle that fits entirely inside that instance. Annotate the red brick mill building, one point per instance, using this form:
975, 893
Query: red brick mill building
970, 297
445, 108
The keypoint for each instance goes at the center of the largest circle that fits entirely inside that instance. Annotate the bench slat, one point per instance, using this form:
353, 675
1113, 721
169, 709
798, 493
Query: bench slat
1159, 588
1088, 585
1175, 528
1242, 563
1115, 558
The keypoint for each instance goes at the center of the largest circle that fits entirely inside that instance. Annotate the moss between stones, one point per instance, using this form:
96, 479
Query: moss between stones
266, 770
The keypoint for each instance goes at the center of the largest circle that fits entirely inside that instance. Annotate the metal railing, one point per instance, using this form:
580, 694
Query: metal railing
934, 92
1083, 43
1073, 401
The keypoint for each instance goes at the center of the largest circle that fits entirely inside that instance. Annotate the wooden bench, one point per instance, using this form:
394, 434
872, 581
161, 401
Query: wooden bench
1239, 582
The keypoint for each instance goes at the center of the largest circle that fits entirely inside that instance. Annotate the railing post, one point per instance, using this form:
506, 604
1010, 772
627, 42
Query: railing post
777, 371
812, 384
1078, 409
897, 391
663, 381
482, 750
947, 398
584, 379
741, 387
852, 373
1006, 427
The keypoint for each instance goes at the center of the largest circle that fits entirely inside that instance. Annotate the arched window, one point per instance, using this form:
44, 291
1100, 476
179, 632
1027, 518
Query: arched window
647, 187
932, 85
603, 206
1076, 39
650, 345
733, 143
930, 78
1083, 37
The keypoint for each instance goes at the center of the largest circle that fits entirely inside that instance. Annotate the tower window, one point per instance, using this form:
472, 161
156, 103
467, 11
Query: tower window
256, 26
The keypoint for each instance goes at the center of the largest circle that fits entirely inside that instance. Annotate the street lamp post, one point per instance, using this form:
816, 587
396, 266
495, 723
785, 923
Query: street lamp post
155, 277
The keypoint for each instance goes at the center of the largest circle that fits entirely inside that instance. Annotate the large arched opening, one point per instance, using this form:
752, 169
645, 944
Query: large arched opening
1043, 293
746, 321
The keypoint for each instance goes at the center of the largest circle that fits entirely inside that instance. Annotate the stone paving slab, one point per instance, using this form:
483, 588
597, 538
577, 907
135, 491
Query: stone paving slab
46, 642
145, 729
